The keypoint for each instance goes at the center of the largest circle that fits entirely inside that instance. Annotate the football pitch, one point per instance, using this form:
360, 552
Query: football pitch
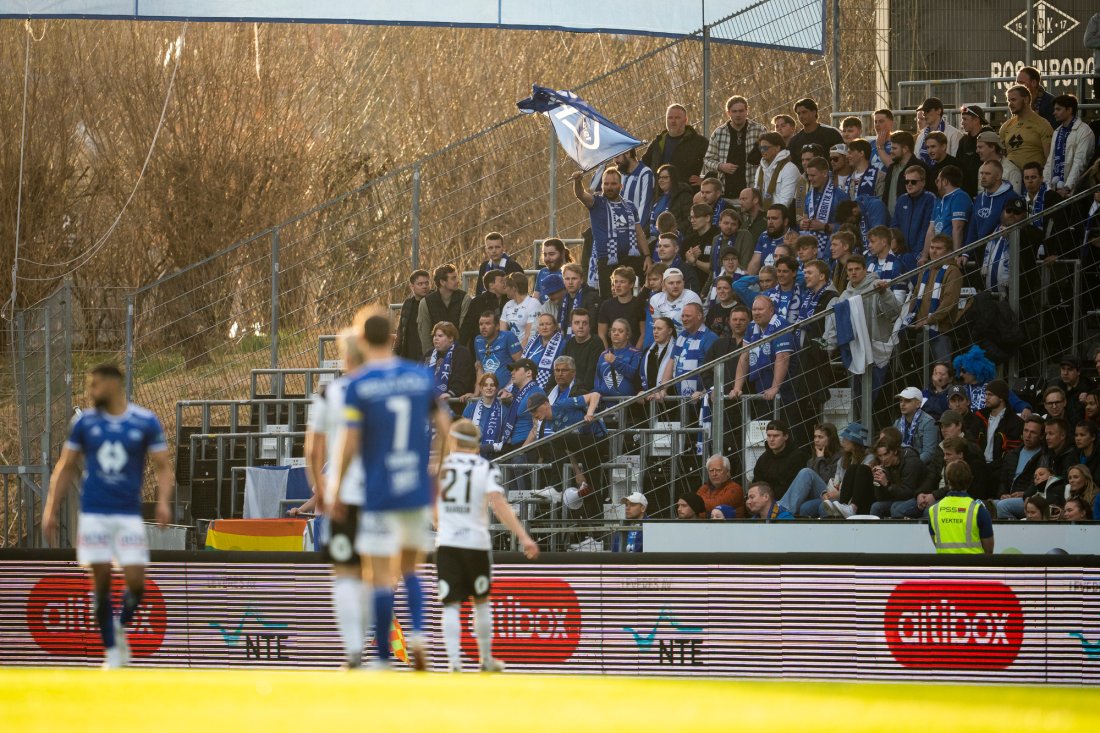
274, 701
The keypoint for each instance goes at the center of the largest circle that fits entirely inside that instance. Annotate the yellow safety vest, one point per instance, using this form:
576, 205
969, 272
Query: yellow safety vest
955, 523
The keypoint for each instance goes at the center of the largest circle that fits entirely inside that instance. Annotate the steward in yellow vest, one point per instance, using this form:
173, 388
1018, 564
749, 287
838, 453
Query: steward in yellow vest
959, 523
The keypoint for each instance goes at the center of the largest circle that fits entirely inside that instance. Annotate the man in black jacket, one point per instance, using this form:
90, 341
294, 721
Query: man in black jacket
680, 146
495, 259
1018, 470
896, 473
1003, 429
492, 298
973, 123
448, 302
781, 462
408, 343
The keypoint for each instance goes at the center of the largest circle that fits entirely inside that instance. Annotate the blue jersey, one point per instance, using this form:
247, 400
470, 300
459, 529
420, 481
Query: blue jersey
114, 448
496, 356
762, 358
953, 207
391, 402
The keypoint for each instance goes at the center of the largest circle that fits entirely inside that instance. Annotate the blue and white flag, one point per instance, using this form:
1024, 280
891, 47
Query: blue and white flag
587, 137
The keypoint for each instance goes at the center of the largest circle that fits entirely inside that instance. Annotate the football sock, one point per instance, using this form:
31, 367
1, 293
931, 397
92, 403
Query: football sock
483, 628
105, 617
383, 618
346, 600
452, 632
366, 608
130, 603
414, 592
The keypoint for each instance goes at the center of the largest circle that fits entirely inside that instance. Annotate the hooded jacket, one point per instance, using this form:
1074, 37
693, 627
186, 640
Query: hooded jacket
986, 214
786, 184
881, 309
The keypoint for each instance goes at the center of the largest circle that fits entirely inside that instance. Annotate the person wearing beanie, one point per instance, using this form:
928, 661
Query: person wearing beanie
1003, 427
690, 506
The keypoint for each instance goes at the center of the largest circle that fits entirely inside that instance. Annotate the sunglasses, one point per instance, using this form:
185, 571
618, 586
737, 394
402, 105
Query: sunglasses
912, 181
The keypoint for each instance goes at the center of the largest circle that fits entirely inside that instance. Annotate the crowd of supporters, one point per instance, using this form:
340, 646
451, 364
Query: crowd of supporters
700, 246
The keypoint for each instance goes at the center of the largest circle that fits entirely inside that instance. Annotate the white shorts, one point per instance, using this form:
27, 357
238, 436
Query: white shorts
382, 534
103, 538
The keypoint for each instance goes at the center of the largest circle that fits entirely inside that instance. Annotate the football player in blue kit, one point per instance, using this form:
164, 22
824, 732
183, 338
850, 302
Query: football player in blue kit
112, 438
391, 405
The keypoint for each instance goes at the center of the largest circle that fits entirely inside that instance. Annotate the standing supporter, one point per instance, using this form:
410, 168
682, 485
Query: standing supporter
519, 313
732, 145
990, 147
913, 211
822, 199
695, 248
778, 225
617, 235
881, 147
995, 195
851, 129
671, 300
766, 367
679, 145
936, 142
951, 212
781, 462
408, 343
777, 177
840, 250
495, 350
487, 413
883, 262
785, 127
1071, 149
517, 418
717, 318
841, 168
996, 275
659, 354
554, 255
865, 178
638, 183
577, 295
667, 252
1026, 135
730, 239
895, 186
451, 363
448, 302
900, 246
670, 195
753, 220
583, 348
691, 345
1042, 101
814, 370
787, 294
491, 300
972, 118
812, 132
934, 122
544, 348
618, 370
622, 304
495, 259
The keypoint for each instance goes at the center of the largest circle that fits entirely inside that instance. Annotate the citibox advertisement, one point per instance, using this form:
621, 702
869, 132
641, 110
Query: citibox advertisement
1032, 625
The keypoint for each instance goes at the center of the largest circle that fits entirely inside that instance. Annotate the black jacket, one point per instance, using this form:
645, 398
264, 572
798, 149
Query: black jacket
408, 334
1011, 483
687, 159
463, 374
779, 469
470, 326
933, 473
904, 478
510, 266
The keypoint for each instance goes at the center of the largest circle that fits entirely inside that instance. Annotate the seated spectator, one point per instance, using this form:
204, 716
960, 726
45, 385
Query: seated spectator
690, 506
1075, 386
1016, 480
554, 255
495, 350
618, 370
1076, 510
976, 371
1080, 485
856, 491
519, 313
670, 195
544, 348
451, 362
495, 259
631, 540
896, 474
958, 402
805, 497
724, 302
1036, 509
1055, 402
918, 429
1048, 485
720, 487
1092, 409
622, 304
487, 413
761, 503
723, 512
584, 349
553, 293
780, 463
1084, 440
1003, 427
933, 486
778, 175
1059, 455
670, 302
935, 396
658, 356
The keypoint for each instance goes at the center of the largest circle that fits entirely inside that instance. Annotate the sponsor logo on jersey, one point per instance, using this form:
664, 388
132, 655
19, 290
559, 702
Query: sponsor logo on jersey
535, 621
954, 625
61, 617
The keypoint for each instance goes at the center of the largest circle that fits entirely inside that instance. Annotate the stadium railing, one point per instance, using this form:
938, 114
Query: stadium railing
1056, 306
22, 497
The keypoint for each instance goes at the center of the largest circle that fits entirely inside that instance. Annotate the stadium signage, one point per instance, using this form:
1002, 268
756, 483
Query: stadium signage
954, 625
60, 617
535, 620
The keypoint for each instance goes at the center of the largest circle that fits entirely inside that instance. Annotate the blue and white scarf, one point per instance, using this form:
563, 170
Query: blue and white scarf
546, 354
442, 368
822, 211
1039, 205
503, 262
864, 184
996, 255
513, 411
1060, 139
491, 429
565, 311
924, 141
937, 291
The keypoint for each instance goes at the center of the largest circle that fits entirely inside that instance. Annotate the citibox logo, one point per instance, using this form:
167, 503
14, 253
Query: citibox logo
954, 625
535, 621
61, 617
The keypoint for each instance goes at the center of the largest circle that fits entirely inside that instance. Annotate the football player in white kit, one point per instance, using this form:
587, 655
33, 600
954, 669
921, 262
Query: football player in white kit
468, 486
351, 598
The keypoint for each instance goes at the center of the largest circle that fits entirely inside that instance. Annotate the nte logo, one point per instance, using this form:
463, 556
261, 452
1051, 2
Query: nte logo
677, 643
951, 625
261, 642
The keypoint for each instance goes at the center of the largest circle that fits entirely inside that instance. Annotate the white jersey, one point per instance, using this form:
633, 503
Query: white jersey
518, 315
326, 415
465, 481
674, 309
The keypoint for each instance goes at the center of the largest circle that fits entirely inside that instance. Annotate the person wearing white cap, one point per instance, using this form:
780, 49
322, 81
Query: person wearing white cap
631, 539
842, 169
671, 300
918, 429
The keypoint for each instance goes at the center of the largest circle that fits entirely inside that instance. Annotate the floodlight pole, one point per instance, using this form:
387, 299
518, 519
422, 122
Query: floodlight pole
1030, 14
836, 55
